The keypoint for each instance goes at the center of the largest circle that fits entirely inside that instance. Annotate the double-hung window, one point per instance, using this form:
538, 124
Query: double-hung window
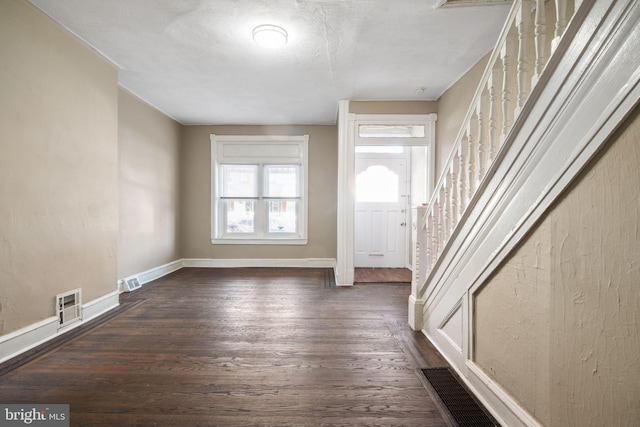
259, 188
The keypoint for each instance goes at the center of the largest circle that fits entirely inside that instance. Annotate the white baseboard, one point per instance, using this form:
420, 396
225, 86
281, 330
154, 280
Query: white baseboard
505, 409
99, 306
16, 343
264, 262
158, 272
153, 273
24, 339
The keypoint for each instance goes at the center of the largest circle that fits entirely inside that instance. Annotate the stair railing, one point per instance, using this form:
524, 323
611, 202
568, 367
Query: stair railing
530, 36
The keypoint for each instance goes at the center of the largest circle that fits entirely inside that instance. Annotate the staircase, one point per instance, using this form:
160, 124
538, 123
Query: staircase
562, 77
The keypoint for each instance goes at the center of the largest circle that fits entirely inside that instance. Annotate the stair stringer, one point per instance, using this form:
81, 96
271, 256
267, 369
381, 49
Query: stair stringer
587, 89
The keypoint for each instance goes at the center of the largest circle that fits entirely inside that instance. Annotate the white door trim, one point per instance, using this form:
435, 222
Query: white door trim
346, 176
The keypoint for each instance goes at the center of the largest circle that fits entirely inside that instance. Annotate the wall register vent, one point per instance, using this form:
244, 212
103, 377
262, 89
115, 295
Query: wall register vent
69, 307
131, 284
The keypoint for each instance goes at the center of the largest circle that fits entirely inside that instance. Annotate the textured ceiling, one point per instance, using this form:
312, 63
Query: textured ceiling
195, 60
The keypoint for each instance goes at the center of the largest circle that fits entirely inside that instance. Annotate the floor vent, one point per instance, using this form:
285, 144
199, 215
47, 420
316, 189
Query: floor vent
465, 410
131, 284
69, 307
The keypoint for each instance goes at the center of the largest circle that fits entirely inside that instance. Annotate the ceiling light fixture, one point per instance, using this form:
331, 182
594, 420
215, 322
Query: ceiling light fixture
270, 36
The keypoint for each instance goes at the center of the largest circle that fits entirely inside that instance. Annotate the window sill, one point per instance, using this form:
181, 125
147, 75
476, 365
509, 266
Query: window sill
259, 241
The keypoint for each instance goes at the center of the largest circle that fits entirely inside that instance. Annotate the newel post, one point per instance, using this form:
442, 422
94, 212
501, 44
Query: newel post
420, 263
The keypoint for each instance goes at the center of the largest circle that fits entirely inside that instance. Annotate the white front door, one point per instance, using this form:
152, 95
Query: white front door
380, 212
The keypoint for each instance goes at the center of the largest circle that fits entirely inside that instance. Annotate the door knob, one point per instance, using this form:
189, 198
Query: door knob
402, 224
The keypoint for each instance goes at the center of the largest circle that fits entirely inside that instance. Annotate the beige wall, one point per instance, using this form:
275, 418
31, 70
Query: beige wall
393, 107
148, 202
562, 313
512, 324
452, 109
195, 187
58, 167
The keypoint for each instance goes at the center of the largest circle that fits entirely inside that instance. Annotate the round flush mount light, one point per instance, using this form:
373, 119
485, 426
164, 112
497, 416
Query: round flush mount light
270, 36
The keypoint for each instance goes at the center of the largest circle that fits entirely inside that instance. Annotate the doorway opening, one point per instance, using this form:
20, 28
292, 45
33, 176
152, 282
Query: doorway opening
415, 134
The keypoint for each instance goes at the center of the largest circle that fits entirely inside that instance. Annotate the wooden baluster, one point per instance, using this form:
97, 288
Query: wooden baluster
481, 141
446, 209
438, 214
523, 24
540, 31
454, 193
561, 21
470, 163
506, 54
442, 213
434, 236
462, 190
492, 89
416, 263
427, 246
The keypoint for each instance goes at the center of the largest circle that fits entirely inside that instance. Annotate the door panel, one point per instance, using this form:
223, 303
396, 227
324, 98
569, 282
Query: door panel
380, 212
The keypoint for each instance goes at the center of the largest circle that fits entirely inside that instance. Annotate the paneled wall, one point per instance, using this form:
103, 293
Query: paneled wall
557, 325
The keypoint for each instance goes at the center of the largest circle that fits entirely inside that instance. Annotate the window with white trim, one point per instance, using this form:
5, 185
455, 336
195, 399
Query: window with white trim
259, 189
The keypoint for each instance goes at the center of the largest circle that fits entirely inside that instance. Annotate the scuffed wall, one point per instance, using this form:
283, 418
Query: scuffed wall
574, 283
148, 162
58, 167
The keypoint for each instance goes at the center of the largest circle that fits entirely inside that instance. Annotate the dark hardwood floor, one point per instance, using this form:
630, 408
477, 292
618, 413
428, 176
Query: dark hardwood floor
382, 275
241, 347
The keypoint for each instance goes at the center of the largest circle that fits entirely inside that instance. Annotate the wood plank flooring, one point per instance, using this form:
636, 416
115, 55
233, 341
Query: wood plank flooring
241, 347
382, 275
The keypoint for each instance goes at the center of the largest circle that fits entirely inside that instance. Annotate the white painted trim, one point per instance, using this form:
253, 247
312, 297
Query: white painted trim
457, 307
495, 396
100, 306
416, 307
427, 120
17, 342
497, 401
588, 88
152, 274
264, 262
258, 150
158, 272
347, 123
346, 196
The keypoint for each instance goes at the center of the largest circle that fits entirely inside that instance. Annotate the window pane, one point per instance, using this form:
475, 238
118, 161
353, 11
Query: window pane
391, 131
283, 217
239, 181
282, 181
384, 149
377, 184
239, 215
